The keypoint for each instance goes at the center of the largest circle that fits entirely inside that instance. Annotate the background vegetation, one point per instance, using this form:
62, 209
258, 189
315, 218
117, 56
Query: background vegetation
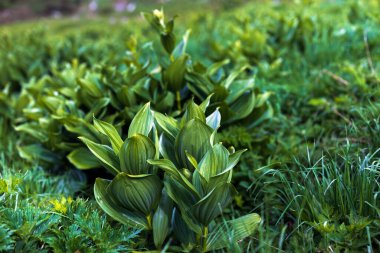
312, 166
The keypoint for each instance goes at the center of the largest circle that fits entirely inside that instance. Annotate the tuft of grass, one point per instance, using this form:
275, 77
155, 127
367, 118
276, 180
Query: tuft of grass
336, 196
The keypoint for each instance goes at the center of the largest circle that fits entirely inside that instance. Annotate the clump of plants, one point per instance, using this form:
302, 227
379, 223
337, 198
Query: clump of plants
58, 107
172, 179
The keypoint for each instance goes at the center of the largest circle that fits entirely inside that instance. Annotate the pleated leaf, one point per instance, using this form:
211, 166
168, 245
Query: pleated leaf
234, 158
214, 162
181, 230
114, 209
214, 119
212, 205
161, 220
166, 146
111, 132
192, 111
142, 123
194, 138
140, 194
83, 159
166, 124
105, 154
174, 76
134, 154
232, 231
168, 166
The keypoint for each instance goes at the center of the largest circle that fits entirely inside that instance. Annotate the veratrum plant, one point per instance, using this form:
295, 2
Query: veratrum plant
238, 99
184, 202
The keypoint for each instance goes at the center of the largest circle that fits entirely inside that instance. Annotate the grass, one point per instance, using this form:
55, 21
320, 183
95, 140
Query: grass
311, 172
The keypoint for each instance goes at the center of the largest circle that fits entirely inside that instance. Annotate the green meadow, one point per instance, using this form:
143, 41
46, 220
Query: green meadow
193, 126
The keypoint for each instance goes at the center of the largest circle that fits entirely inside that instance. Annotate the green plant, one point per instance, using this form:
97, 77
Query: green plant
196, 185
337, 197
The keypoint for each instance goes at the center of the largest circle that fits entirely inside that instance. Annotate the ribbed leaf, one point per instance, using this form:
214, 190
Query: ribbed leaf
212, 205
111, 132
115, 210
205, 103
238, 88
36, 152
167, 148
170, 169
214, 162
134, 154
142, 123
167, 124
161, 220
243, 106
33, 130
192, 111
180, 49
227, 83
181, 230
183, 197
174, 76
234, 158
105, 154
193, 138
83, 159
214, 119
232, 231
140, 194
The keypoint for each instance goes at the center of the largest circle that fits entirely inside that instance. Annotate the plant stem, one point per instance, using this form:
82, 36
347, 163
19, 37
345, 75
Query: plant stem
149, 219
178, 99
204, 239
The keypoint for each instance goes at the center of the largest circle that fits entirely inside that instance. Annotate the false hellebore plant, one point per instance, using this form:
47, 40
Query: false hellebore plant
175, 185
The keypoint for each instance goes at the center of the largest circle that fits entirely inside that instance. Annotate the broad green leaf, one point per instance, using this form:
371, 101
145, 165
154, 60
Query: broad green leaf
180, 49
37, 152
142, 123
198, 182
259, 115
139, 194
214, 162
167, 150
167, 124
174, 76
233, 76
33, 130
52, 103
181, 230
192, 111
98, 106
234, 158
192, 160
238, 88
212, 205
214, 119
107, 202
242, 107
168, 41
217, 66
199, 85
161, 220
83, 159
262, 98
110, 131
205, 103
134, 154
193, 138
105, 154
169, 167
232, 231
183, 197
